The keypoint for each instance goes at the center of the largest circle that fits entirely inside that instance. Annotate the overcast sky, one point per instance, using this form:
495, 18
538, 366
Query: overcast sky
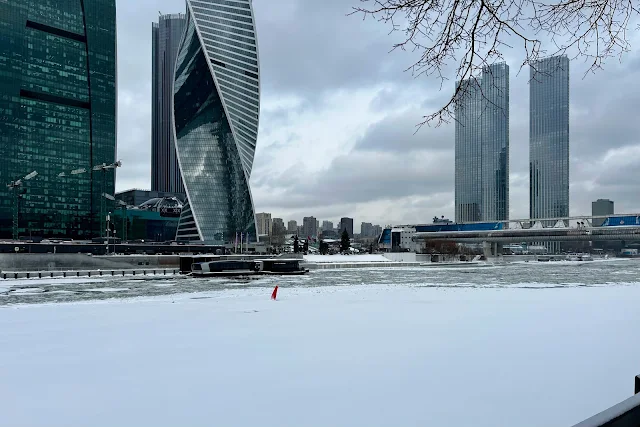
338, 116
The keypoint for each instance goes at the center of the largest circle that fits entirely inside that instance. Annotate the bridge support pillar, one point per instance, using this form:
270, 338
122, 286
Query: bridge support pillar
492, 249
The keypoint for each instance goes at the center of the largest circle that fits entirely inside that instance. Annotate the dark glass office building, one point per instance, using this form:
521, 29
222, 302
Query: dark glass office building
549, 138
482, 147
346, 224
57, 114
216, 111
166, 35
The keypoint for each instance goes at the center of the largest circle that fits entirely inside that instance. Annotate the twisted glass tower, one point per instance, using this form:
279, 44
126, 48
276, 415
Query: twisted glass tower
216, 99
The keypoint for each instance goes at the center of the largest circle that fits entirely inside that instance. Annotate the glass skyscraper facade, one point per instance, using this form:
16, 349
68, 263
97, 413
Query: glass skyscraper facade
482, 147
216, 112
549, 138
57, 113
468, 153
495, 143
166, 35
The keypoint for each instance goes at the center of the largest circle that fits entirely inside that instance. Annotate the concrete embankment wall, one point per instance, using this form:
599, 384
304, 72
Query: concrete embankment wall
89, 273
407, 257
52, 262
332, 265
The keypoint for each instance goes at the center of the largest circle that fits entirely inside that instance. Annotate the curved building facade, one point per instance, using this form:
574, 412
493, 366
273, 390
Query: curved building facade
58, 103
216, 98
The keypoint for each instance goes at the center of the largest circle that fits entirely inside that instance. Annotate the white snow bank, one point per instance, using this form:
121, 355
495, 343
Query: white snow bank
369, 355
345, 258
49, 281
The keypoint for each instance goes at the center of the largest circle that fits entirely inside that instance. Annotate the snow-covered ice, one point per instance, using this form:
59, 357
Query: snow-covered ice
374, 355
346, 258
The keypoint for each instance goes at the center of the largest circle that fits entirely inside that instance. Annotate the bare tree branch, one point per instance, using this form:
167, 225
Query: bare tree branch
472, 34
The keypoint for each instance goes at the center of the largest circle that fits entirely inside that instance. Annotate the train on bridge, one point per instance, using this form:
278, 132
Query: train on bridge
618, 227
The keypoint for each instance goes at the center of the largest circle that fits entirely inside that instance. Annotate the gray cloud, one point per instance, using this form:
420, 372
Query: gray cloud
399, 132
389, 176
313, 46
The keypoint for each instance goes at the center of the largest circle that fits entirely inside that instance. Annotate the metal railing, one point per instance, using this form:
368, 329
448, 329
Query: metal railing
624, 414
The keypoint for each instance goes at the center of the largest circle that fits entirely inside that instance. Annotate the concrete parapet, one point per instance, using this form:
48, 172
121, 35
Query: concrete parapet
88, 273
335, 265
52, 262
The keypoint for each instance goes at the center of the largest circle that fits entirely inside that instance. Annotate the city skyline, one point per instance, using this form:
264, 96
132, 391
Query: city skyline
266, 222
352, 146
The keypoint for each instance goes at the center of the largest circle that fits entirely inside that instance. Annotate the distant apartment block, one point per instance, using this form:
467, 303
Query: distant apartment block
369, 230
292, 227
309, 227
346, 224
327, 225
277, 226
600, 209
263, 221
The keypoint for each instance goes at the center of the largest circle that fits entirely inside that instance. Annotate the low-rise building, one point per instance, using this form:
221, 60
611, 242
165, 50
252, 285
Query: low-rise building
136, 197
263, 221
601, 208
327, 225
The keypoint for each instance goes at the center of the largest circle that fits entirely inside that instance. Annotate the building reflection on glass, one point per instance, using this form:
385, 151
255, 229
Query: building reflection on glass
216, 111
482, 146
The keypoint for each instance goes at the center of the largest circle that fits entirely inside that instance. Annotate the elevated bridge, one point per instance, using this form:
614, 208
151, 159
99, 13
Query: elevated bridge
578, 228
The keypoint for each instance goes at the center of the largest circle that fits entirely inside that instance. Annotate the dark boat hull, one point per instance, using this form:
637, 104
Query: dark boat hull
284, 273
245, 273
238, 273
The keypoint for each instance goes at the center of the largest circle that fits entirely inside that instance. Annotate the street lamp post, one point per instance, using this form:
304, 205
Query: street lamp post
123, 206
108, 230
15, 188
104, 168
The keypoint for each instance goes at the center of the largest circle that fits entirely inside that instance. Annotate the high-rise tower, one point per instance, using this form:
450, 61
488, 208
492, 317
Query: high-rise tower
482, 147
549, 138
468, 153
216, 112
495, 143
166, 36
57, 115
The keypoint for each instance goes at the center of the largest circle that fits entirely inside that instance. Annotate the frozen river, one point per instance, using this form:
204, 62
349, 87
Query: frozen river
535, 344
531, 275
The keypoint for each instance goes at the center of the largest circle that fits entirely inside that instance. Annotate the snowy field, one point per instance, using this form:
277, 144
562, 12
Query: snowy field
346, 355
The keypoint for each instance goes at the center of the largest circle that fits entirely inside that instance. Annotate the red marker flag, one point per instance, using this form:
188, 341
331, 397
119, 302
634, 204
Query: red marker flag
275, 293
